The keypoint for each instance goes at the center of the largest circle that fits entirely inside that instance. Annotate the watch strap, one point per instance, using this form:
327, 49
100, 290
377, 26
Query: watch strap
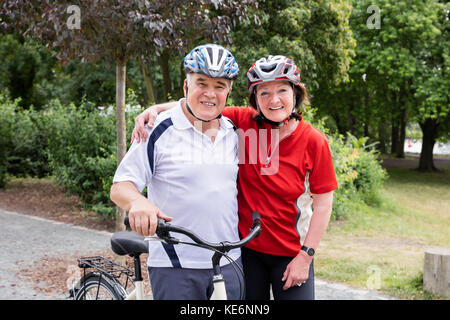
308, 250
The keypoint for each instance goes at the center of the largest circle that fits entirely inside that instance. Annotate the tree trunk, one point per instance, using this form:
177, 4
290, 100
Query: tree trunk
121, 68
383, 135
340, 124
164, 63
182, 77
436, 271
429, 130
366, 114
129, 84
148, 80
394, 134
351, 120
402, 134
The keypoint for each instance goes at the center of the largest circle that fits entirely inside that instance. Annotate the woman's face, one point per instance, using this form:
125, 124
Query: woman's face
275, 100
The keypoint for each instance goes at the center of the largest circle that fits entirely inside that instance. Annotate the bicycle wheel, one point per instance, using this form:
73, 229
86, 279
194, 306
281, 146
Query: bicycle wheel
97, 286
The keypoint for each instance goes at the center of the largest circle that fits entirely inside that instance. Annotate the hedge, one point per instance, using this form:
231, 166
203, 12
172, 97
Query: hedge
77, 145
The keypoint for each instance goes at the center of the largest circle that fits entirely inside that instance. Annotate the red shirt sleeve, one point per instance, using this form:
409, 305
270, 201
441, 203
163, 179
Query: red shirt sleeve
322, 178
236, 114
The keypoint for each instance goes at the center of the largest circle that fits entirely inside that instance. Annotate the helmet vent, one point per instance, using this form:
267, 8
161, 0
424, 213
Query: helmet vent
268, 68
220, 55
210, 53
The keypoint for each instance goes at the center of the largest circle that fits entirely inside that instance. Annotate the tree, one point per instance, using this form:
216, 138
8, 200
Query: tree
406, 59
119, 31
103, 30
25, 66
432, 87
398, 73
315, 34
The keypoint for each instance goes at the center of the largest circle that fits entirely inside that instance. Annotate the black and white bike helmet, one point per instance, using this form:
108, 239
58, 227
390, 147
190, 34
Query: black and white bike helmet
213, 61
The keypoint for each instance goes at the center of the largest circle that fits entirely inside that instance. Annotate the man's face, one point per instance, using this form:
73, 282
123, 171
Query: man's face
206, 96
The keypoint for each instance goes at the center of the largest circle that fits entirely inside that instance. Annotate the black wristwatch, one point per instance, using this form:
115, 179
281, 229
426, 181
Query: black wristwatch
309, 251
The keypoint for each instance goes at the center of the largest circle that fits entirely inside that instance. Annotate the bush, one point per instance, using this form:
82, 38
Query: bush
75, 144
359, 175
82, 152
22, 140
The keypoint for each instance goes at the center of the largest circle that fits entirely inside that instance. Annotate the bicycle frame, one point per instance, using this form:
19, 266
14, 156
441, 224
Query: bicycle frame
137, 293
220, 249
220, 292
113, 271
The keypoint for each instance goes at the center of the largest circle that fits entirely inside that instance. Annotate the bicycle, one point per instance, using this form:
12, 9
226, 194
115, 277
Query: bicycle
103, 282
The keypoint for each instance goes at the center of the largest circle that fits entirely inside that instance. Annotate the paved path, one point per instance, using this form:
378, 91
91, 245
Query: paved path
26, 239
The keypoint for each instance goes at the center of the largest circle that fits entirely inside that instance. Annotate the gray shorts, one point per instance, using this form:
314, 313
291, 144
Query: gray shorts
193, 284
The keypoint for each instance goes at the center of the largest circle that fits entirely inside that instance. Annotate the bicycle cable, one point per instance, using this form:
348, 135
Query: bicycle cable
234, 264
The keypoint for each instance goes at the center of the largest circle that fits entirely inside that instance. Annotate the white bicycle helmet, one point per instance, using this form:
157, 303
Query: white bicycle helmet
212, 60
273, 68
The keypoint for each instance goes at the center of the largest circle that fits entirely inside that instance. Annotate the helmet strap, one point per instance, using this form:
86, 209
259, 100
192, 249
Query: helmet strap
192, 113
274, 123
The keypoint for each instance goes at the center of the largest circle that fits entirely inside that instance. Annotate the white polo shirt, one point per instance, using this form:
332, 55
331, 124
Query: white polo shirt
191, 179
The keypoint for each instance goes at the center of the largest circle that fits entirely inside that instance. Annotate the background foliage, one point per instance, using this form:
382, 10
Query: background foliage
366, 85
76, 144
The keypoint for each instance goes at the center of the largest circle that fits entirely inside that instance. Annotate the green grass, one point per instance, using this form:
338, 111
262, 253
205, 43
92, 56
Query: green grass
386, 244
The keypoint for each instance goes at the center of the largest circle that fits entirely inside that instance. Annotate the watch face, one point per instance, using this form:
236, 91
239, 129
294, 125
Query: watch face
309, 251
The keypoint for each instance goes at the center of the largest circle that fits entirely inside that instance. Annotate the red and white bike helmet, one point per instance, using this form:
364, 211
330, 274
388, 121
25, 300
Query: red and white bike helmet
273, 68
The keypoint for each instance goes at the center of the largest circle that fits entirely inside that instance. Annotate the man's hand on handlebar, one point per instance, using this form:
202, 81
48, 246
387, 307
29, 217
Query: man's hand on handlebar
143, 217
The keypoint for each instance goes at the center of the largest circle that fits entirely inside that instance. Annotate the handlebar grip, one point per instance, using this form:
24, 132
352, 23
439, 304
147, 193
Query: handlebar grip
256, 225
256, 216
160, 226
126, 222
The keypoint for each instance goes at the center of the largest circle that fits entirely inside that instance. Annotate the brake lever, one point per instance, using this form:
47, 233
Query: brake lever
168, 240
163, 234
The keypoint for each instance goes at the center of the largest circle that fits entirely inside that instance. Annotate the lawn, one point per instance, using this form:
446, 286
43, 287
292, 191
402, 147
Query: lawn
379, 248
383, 248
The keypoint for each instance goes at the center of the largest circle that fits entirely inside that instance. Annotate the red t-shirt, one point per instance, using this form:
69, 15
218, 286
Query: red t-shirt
274, 180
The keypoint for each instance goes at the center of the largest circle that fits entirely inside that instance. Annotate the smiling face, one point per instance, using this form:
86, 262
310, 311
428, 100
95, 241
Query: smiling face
206, 96
275, 100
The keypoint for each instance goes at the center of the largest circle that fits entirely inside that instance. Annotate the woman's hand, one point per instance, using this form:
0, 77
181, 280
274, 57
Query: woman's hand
297, 271
148, 116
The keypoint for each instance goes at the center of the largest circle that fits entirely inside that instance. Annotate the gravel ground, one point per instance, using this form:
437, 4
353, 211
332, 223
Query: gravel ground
27, 240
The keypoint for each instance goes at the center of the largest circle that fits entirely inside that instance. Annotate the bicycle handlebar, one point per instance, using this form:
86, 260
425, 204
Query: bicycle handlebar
163, 228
